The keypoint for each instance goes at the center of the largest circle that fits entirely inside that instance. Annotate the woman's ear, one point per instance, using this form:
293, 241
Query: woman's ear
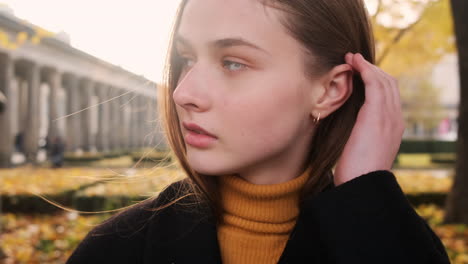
337, 87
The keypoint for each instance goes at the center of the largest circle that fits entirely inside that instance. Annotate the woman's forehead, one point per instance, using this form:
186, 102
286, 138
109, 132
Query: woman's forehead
214, 19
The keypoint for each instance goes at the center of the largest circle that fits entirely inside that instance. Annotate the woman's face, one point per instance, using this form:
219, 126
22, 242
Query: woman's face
243, 82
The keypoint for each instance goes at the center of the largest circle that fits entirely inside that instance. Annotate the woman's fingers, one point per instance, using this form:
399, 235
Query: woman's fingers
392, 91
369, 77
393, 84
377, 85
380, 87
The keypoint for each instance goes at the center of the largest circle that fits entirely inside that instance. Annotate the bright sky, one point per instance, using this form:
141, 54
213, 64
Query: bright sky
129, 33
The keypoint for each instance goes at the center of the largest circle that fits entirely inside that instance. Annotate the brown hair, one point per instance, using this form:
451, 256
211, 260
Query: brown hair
327, 29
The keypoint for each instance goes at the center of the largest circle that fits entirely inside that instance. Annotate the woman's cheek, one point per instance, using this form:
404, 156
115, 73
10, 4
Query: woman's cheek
257, 130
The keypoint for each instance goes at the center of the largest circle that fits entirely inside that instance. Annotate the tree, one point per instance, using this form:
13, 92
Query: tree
411, 35
22, 38
457, 202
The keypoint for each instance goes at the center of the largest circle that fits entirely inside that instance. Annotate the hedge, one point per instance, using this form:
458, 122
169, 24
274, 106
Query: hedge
427, 146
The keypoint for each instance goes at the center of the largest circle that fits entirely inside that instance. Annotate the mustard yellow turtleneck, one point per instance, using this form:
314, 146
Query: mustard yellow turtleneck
257, 219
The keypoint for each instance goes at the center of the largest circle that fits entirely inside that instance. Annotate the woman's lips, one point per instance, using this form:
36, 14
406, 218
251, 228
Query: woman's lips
196, 128
198, 137
199, 140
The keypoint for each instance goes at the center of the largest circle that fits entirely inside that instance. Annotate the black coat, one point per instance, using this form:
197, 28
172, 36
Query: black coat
365, 220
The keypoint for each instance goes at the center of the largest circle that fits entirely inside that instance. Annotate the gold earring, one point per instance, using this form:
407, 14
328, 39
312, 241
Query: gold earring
316, 120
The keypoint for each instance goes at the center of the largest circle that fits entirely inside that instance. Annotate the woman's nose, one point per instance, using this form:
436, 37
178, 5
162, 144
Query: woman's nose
191, 92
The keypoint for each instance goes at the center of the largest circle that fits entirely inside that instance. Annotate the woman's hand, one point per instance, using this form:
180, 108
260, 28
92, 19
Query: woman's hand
376, 137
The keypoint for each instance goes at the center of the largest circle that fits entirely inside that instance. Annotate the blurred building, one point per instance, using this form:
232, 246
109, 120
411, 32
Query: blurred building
445, 78
53, 89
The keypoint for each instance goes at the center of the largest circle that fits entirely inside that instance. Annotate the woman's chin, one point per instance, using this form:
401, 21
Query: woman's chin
212, 171
211, 167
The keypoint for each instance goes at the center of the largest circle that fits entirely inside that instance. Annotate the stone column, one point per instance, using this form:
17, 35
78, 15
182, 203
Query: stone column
130, 121
149, 140
154, 122
120, 125
54, 80
145, 121
117, 115
134, 121
148, 122
158, 127
86, 89
113, 122
31, 132
73, 120
7, 138
125, 103
155, 128
158, 141
103, 118
139, 122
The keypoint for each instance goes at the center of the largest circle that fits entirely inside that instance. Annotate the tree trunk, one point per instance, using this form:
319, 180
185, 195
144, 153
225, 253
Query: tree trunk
457, 202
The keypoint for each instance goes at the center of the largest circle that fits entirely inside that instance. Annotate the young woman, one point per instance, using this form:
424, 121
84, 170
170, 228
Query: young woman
287, 133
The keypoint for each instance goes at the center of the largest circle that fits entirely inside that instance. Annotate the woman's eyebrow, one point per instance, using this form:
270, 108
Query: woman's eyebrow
223, 43
231, 42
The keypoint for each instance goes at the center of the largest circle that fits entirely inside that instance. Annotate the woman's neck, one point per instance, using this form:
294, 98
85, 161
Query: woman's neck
272, 173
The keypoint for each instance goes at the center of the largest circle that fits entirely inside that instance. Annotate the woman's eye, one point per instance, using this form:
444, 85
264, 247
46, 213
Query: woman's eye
233, 66
187, 62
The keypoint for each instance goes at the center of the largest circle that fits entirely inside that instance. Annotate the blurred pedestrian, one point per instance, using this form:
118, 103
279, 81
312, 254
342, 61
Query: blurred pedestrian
56, 149
19, 142
3, 102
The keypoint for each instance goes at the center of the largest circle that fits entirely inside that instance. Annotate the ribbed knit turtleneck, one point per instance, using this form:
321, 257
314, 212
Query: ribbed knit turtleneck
257, 219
